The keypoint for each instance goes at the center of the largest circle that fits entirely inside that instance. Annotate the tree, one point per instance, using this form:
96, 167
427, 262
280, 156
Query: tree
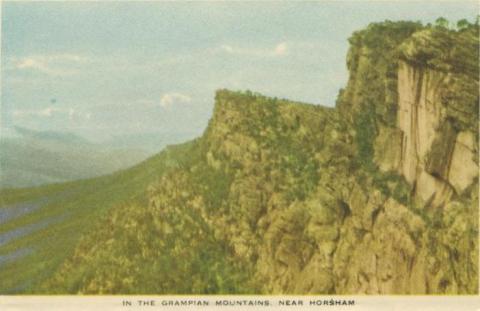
462, 24
441, 22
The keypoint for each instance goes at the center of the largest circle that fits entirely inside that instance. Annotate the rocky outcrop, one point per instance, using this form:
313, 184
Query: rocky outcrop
415, 124
463, 169
429, 138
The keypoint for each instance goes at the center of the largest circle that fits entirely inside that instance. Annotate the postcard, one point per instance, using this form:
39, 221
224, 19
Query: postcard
239, 155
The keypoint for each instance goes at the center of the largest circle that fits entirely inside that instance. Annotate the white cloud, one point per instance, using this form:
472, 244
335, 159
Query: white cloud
145, 103
54, 64
31, 63
49, 112
68, 57
46, 112
170, 99
227, 48
280, 49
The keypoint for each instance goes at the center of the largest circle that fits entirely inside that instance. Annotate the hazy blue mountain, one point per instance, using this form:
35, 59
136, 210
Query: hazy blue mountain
150, 141
30, 158
63, 137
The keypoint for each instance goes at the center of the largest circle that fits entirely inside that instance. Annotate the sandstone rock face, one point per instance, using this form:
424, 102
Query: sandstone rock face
419, 115
389, 149
433, 156
464, 162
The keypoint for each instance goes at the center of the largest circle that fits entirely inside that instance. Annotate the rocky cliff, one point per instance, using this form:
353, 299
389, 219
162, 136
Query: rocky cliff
376, 196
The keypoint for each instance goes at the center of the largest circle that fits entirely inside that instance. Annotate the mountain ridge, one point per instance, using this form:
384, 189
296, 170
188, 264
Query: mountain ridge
65, 137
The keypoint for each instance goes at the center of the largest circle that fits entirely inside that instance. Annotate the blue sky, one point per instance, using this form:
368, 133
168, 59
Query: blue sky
111, 68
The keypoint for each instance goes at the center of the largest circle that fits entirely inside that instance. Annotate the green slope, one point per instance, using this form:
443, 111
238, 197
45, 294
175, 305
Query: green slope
46, 235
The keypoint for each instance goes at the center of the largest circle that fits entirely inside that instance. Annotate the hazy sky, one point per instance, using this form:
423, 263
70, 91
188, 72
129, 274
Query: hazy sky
101, 69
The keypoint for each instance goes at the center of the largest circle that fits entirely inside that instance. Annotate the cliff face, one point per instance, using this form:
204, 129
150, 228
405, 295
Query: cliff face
435, 156
433, 144
376, 196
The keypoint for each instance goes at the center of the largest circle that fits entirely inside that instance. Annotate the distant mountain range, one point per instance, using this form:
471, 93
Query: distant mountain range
29, 157
63, 137
150, 141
